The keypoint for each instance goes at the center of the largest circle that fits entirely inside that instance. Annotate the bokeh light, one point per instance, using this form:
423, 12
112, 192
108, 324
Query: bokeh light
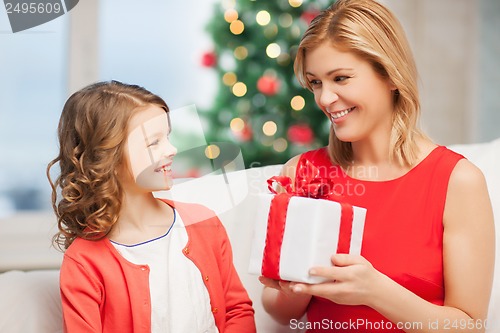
286, 20
295, 3
229, 79
280, 145
269, 128
240, 53
239, 89
273, 50
212, 151
263, 17
230, 15
297, 103
237, 124
237, 27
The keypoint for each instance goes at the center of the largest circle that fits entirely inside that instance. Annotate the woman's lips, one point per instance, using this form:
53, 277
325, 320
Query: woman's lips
340, 114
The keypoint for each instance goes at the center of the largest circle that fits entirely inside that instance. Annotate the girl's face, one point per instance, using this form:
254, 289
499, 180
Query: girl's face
148, 152
351, 94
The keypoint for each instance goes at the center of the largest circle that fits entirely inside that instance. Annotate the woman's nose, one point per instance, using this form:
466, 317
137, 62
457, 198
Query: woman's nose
327, 97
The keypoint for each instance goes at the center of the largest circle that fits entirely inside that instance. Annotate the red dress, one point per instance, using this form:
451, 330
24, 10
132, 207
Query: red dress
403, 235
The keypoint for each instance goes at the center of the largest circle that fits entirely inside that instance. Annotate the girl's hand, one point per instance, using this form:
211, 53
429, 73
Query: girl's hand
351, 281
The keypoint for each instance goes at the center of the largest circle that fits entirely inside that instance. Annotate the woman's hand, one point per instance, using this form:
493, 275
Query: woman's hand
283, 286
351, 281
281, 302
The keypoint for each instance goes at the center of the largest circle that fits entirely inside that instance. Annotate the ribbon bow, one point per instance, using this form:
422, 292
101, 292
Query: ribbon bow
309, 185
317, 188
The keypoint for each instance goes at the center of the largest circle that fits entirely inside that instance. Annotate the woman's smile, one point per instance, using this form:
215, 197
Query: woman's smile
338, 116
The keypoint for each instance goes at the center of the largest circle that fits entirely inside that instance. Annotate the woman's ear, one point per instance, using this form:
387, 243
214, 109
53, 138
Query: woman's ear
392, 86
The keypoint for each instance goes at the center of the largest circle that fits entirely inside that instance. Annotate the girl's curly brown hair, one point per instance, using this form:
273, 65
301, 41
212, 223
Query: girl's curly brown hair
92, 132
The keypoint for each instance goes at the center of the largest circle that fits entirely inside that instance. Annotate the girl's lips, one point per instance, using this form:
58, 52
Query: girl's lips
164, 168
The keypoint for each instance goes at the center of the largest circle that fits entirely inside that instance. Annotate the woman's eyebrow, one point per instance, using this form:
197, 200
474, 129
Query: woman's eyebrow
332, 71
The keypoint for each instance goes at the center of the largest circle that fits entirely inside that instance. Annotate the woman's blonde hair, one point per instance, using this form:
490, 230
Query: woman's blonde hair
373, 33
92, 133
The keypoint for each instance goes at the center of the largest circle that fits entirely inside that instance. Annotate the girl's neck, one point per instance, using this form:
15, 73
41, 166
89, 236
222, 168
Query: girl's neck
137, 206
142, 217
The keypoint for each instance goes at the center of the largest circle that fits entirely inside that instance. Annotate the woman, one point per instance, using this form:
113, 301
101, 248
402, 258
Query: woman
134, 263
428, 248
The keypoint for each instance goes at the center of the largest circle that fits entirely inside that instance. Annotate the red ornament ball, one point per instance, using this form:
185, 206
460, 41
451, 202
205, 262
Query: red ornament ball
245, 134
300, 134
268, 85
209, 59
309, 15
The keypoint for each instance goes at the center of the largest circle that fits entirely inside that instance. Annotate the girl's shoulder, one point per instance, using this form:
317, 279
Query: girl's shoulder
84, 251
192, 213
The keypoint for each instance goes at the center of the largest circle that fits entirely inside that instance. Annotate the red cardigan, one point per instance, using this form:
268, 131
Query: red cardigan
103, 292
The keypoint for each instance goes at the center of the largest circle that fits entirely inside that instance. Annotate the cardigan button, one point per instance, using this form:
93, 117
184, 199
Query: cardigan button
215, 310
206, 278
186, 250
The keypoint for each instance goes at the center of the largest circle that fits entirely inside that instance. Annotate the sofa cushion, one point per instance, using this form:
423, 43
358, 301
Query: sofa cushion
30, 302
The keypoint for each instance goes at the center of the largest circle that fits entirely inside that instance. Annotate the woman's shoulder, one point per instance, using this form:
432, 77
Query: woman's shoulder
467, 176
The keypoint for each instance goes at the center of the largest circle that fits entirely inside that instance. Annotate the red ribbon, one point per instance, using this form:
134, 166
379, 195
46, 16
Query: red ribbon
311, 186
274, 237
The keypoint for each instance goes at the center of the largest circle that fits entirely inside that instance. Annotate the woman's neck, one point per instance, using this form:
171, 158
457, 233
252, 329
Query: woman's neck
372, 158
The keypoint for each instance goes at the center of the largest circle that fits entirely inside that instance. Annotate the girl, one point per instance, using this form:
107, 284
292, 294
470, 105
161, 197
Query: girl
426, 263
134, 263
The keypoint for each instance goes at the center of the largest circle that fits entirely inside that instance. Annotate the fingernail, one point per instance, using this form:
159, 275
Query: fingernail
297, 289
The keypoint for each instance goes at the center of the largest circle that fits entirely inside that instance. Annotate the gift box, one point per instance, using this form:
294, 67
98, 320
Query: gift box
297, 230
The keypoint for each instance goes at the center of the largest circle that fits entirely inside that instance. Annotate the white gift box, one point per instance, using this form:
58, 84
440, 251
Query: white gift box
310, 237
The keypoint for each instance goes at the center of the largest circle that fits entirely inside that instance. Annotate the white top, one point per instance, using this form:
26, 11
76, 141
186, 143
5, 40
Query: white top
179, 299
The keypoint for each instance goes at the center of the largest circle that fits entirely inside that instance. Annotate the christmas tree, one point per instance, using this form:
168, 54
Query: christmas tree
259, 104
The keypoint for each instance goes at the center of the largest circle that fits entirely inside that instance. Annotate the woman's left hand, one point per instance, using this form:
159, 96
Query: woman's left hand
351, 281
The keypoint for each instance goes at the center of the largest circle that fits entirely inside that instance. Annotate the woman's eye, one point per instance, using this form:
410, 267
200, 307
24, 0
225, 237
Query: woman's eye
340, 78
314, 82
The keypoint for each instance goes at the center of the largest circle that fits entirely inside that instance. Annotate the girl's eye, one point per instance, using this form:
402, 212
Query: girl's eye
154, 143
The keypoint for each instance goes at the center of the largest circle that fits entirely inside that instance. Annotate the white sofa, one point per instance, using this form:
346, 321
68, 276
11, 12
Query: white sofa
29, 295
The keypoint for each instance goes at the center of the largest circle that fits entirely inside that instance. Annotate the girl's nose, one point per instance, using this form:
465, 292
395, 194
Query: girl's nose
170, 150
